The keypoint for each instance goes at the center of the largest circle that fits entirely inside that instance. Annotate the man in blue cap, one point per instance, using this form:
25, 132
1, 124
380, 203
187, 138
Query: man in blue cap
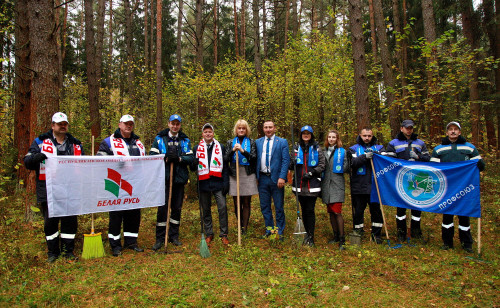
407, 146
178, 155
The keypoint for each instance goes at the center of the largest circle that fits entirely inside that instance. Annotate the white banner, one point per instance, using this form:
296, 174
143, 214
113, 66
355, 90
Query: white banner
91, 184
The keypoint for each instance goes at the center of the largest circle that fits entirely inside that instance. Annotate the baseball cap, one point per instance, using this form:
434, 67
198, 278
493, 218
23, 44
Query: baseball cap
207, 125
127, 118
407, 123
59, 117
454, 123
175, 117
308, 128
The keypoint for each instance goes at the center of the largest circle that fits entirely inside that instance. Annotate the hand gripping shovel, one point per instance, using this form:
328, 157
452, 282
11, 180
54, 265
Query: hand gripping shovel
299, 231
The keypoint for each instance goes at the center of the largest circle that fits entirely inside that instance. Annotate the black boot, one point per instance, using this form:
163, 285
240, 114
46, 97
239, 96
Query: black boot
341, 243
336, 238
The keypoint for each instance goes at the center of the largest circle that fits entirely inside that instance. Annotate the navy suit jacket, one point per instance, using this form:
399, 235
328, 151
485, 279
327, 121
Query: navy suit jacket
280, 158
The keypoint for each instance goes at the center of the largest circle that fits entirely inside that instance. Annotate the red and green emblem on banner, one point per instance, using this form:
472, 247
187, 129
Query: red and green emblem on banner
114, 182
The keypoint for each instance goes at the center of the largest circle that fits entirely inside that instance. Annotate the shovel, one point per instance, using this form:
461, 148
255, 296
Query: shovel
299, 232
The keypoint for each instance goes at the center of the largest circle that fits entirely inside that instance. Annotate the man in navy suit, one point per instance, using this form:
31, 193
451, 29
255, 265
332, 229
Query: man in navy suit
273, 158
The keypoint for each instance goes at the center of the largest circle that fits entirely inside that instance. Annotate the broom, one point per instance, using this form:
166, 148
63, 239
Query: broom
92, 243
204, 251
299, 232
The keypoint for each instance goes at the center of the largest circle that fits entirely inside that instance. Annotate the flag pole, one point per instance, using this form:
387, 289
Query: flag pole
379, 199
479, 236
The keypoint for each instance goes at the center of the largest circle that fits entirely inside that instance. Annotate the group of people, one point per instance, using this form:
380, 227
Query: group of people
245, 167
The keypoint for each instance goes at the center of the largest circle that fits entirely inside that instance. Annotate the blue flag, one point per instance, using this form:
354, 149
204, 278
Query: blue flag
444, 188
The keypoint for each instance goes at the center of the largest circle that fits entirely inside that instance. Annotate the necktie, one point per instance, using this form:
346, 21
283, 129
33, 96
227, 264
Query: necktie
267, 153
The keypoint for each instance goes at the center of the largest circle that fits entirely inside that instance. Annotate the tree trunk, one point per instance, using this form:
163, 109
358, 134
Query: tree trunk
243, 30
385, 58
22, 135
469, 23
295, 18
256, 44
236, 41
434, 107
491, 110
130, 90
287, 17
99, 44
110, 45
159, 102
146, 35
216, 35
264, 28
358, 56
92, 81
179, 37
44, 63
199, 32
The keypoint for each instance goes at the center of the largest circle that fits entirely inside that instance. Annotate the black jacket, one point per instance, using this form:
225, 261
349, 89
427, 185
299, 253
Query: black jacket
41, 189
400, 147
181, 172
311, 187
250, 156
105, 146
213, 183
362, 183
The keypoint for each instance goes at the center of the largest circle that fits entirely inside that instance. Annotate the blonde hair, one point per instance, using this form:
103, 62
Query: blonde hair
339, 141
239, 123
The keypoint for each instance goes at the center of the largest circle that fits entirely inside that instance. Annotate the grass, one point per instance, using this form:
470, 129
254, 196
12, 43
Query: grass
260, 272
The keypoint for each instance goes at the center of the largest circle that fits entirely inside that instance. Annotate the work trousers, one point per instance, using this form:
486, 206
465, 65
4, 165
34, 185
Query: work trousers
359, 203
131, 221
307, 205
448, 230
206, 206
401, 221
69, 226
175, 214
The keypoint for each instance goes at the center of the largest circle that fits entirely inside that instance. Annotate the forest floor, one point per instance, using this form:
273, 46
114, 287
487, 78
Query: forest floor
262, 272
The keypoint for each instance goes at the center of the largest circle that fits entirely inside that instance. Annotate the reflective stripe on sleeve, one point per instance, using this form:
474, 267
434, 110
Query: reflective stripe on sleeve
435, 160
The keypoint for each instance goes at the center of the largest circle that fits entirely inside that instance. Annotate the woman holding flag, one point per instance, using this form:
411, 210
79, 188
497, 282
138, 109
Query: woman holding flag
333, 184
310, 163
247, 161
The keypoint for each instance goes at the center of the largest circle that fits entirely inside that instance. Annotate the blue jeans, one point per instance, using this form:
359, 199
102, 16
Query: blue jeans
267, 190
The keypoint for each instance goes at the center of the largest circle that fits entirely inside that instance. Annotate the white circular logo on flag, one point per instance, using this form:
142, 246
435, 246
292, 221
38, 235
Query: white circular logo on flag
421, 186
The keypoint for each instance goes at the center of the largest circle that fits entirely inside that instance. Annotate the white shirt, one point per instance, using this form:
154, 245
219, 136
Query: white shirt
263, 167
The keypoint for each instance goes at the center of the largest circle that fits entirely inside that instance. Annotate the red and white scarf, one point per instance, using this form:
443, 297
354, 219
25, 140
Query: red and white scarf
205, 170
50, 150
120, 148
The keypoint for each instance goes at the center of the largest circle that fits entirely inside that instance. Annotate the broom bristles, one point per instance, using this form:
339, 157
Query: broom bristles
204, 251
92, 246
